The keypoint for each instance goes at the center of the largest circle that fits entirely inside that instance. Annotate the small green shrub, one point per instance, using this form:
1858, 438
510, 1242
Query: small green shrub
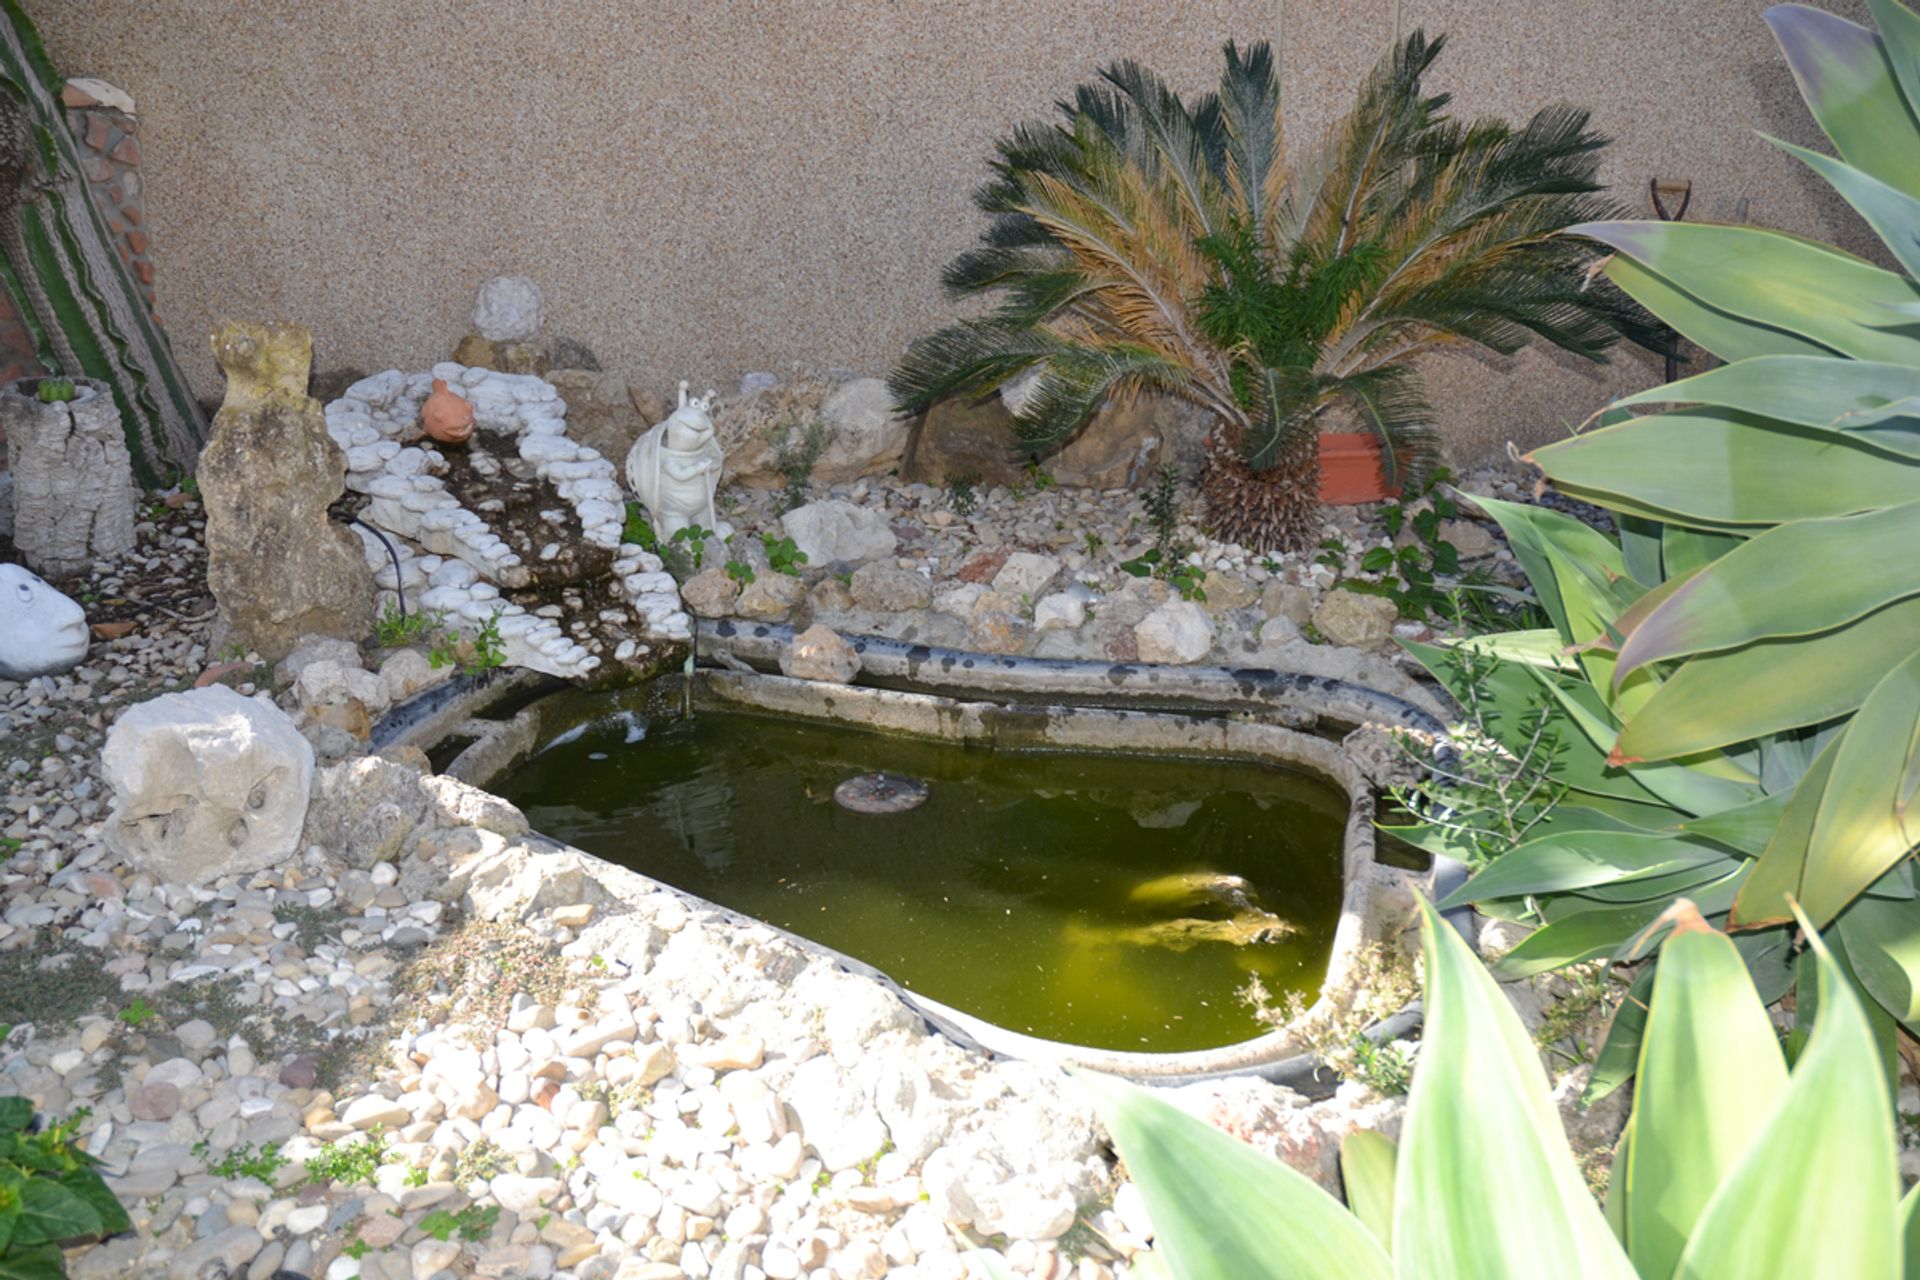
637, 531
961, 495
472, 1224
350, 1163
244, 1161
1171, 569
782, 555
694, 538
396, 630
797, 448
49, 1192
740, 571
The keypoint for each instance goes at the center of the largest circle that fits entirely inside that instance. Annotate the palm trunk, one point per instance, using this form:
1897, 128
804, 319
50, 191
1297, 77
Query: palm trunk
1276, 509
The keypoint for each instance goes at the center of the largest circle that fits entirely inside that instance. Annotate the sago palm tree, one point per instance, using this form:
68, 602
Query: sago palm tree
1149, 241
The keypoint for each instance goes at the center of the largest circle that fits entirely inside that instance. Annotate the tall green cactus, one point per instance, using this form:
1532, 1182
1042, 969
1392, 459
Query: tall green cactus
58, 261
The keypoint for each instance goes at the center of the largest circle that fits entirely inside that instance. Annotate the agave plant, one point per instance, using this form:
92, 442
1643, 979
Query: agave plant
1799, 463
1616, 843
1151, 241
1750, 653
1730, 1166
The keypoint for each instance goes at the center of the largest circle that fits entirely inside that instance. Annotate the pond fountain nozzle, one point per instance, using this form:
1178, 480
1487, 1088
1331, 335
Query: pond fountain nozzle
880, 793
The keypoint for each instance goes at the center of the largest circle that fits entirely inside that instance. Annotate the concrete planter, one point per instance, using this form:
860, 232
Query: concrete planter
73, 494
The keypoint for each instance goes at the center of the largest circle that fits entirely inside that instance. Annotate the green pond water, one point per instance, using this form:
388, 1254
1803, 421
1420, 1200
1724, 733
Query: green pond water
1085, 898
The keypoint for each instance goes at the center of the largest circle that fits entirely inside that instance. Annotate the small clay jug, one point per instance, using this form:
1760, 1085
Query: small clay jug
445, 416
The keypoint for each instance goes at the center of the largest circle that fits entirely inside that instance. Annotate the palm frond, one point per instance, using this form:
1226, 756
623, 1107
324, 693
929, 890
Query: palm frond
1254, 165
1077, 379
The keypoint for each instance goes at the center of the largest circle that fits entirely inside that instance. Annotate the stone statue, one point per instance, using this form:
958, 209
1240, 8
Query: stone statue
278, 567
674, 469
42, 632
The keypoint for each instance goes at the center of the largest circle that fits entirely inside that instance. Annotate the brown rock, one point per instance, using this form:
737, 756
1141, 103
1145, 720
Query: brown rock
830, 594
770, 597
600, 412
474, 351
999, 630
155, 1101
889, 590
300, 1072
819, 653
964, 437
278, 567
649, 404
984, 567
710, 593
1120, 446
1225, 594
1285, 600
112, 630
1355, 619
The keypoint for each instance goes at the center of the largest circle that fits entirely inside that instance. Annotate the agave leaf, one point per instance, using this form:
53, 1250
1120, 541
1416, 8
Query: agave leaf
1767, 896
1876, 401
1558, 552
1619, 1057
1616, 1203
1810, 289
1604, 933
1709, 1064
1684, 551
1893, 214
1847, 824
1851, 87
1542, 648
1882, 938
1789, 581
1485, 1184
1747, 828
1220, 1209
1367, 1168
1579, 859
1725, 335
1725, 467
1900, 43
1910, 1233
1718, 699
1690, 790
1813, 1194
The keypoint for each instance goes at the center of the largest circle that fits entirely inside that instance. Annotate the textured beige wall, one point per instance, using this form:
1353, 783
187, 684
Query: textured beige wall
704, 187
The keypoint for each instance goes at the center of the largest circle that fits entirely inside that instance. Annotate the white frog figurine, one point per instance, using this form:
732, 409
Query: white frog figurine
42, 632
674, 469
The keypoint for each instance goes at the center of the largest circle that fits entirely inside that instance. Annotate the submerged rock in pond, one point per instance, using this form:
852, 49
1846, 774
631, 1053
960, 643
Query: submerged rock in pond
880, 793
1247, 928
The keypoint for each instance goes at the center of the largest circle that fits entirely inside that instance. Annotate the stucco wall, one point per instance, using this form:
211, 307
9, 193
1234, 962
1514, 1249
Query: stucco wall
705, 187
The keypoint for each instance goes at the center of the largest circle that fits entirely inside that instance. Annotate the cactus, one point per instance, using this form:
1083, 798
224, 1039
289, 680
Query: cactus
58, 261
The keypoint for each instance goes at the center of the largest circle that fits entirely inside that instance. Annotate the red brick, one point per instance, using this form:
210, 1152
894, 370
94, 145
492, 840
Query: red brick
99, 133
115, 225
143, 271
74, 97
138, 239
128, 152
131, 212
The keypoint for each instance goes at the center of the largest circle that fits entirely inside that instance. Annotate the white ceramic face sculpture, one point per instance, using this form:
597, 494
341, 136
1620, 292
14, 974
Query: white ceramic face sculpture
41, 631
674, 469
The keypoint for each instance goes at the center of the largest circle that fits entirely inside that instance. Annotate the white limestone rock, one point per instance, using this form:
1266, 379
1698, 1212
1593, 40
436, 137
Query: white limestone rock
836, 530
1179, 631
507, 309
206, 784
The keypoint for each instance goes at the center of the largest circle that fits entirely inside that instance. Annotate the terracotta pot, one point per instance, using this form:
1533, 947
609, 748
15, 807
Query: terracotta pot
445, 416
1350, 470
